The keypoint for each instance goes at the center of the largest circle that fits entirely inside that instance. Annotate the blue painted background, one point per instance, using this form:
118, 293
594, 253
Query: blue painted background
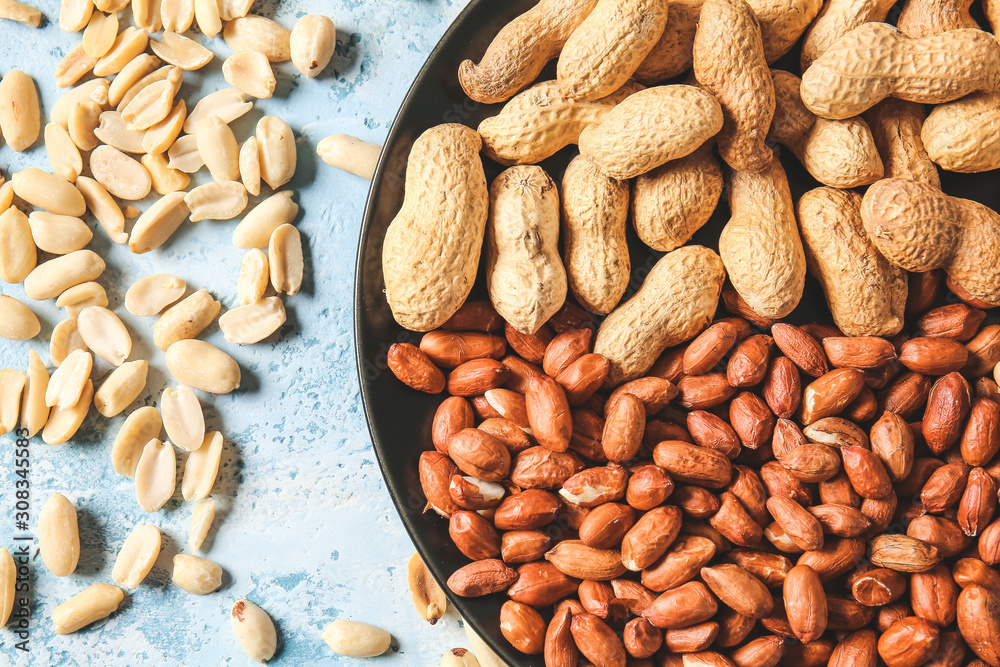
305, 526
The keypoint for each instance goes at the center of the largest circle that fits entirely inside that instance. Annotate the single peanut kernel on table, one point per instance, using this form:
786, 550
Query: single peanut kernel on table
356, 640
254, 630
183, 418
137, 555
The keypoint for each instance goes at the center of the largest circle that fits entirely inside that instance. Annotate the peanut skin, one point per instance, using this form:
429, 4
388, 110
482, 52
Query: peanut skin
838, 153
961, 135
541, 121
524, 275
919, 228
866, 293
729, 62
836, 19
594, 214
877, 61
673, 201
521, 49
760, 245
610, 44
651, 128
895, 126
675, 303
431, 251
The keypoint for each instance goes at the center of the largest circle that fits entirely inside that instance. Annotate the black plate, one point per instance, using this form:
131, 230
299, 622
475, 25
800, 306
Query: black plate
400, 418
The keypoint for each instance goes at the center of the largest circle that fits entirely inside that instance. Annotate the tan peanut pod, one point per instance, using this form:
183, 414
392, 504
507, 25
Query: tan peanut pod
66, 386
202, 468
59, 113
64, 156
146, 14
673, 201
203, 366
921, 18
836, 19
218, 148
256, 33
196, 576
253, 323
153, 103
428, 598
48, 191
216, 201
121, 175
594, 213
103, 207
137, 69
52, 278
105, 334
75, 14
149, 295
760, 245
312, 42
82, 296
58, 536
139, 428
278, 156
89, 606
234, 9
11, 389
34, 411
17, 322
257, 226
672, 55
159, 74
251, 72
249, 162
782, 23
65, 340
112, 131
675, 303
918, 228
8, 585
177, 15
155, 475
429, 275
520, 51
183, 418
121, 388
255, 276
18, 254
284, 260
63, 423
84, 119
202, 517
838, 153
608, 46
254, 630
160, 137
525, 277
158, 223
100, 34
165, 180
129, 43
729, 62
228, 104
866, 293
896, 126
958, 135
137, 556
181, 52
540, 121
74, 66
206, 13
350, 154
186, 319
929, 70
651, 128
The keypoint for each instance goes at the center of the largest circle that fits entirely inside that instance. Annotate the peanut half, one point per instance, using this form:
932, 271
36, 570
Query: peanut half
203, 366
81, 296
105, 334
202, 517
137, 555
89, 606
254, 322
202, 468
65, 340
20, 118
34, 411
140, 427
17, 322
125, 384
428, 598
64, 422
58, 535
11, 388
155, 475
148, 296
183, 418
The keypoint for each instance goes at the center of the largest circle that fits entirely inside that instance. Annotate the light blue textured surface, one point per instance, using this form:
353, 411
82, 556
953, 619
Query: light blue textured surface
305, 526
